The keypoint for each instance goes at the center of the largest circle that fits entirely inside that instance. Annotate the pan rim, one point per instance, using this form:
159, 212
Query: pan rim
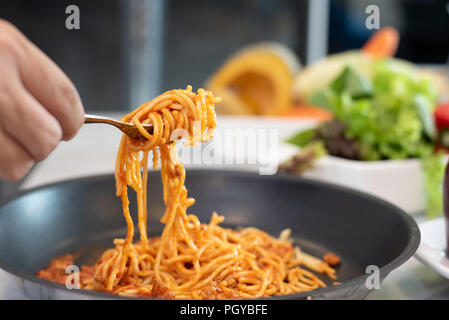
414, 236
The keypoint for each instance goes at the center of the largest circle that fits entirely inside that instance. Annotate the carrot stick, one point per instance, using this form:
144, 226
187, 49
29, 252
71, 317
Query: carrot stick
382, 44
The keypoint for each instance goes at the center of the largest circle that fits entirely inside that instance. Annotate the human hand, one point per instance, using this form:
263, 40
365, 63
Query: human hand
39, 105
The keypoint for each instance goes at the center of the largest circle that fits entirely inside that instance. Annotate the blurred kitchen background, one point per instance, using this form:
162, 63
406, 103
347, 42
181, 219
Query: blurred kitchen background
128, 51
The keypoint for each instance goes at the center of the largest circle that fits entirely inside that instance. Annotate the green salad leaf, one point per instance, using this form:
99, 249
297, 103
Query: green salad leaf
305, 159
323, 98
433, 169
425, 114
302, 138
386, 115
354, 84
390, 114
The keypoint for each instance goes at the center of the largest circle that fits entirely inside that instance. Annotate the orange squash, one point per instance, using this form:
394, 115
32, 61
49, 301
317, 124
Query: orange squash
256, 80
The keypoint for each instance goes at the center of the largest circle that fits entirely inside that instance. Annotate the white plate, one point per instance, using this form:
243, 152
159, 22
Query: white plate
400, 182
433, 244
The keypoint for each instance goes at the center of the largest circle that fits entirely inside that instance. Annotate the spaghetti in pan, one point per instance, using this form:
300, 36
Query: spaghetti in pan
190, 259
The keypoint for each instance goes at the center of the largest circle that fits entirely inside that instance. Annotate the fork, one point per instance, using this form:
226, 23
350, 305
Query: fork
127, 128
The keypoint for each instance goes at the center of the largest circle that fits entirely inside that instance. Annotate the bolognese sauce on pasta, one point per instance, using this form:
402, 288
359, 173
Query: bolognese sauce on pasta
191, 259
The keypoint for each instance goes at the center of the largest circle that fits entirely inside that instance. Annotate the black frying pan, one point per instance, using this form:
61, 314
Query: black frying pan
84, 215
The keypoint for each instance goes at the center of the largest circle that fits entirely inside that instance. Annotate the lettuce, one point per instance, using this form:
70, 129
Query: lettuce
433, 169
390, 115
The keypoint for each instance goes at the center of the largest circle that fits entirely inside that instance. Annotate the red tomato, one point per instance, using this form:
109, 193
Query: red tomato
441, 115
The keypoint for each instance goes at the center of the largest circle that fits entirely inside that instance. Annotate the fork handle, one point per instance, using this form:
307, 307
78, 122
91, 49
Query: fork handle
90, 118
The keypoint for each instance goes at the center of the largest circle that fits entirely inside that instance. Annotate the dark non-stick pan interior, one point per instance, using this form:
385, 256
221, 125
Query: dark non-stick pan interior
84, 215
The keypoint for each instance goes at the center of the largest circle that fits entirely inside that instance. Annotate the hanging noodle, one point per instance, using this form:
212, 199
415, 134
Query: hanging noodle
189, 260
